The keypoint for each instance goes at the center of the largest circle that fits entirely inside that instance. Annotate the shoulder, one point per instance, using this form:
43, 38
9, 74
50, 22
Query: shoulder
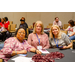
63, 35
73, 26
59, 21
11, 39
44, 34
31, 34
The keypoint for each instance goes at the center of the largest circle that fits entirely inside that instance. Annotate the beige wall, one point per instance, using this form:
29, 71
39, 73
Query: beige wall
45, 17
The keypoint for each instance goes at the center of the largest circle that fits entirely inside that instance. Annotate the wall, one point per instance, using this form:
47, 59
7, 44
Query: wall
45, 17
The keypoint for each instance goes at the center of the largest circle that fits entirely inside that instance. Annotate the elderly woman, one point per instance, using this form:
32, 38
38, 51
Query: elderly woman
38, 38
16, 45
58, 39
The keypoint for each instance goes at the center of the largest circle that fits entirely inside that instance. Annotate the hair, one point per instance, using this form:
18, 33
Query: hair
6, 18
59, 34
22, 19
56, 17
71, 22
0, 19
18, 29
40, 22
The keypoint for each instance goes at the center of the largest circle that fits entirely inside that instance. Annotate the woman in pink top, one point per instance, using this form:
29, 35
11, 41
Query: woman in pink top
16, 45
38, 37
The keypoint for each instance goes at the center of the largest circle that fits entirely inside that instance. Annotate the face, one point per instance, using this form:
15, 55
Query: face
55, 31
0, 26
70, 24
21, 34
38, 28
22, 22
57, 20
2, 20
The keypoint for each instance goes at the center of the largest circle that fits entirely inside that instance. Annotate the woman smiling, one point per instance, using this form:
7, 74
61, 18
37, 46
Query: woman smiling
16, 45
38, 38
59, 39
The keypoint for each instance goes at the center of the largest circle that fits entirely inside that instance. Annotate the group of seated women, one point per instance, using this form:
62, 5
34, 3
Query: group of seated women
36, 40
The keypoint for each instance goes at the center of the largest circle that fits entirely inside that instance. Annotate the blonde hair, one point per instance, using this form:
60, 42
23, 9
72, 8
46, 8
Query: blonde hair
59, 34
38, 22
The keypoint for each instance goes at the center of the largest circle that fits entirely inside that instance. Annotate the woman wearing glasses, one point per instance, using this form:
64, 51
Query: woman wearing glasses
16, 45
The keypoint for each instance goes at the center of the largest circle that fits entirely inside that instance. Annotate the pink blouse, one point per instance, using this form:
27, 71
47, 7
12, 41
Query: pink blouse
12, 44
33, 41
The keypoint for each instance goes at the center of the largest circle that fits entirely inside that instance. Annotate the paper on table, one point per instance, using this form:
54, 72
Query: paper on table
22, 59
44, 51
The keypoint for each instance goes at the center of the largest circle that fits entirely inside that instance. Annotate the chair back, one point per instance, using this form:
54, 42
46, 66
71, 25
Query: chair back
65, 26
12, 28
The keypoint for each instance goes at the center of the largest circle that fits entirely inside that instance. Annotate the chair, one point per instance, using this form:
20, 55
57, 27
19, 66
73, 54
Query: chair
72, 43
50, 25
1, 60
30, 27
27, 30
12, 28
64, 31
11, 22
65, 26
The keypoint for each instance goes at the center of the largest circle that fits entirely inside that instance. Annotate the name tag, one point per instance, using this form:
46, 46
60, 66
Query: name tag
39, 47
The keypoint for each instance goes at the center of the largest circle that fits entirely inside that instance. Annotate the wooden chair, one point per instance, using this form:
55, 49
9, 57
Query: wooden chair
64, 31
65, 26
50, 25
1, 60
12, 28
27, 30
11, 22
30, 27
72, 43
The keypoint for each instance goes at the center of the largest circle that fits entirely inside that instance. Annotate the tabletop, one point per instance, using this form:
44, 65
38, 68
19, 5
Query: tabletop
69, 56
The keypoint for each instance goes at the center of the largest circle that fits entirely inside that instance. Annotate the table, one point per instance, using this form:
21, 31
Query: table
69, 56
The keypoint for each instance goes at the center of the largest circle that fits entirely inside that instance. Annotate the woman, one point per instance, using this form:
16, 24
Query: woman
38, 38
5, 33
6, 22
58, 39
71, 30
16, 45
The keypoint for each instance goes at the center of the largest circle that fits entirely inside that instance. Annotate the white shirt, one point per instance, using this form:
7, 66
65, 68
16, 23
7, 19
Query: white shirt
71, 30
59, 23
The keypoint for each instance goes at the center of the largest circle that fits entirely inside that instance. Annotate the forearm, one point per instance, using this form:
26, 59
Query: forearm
33, 50
72, 34
15, 53
69, 46
18, 52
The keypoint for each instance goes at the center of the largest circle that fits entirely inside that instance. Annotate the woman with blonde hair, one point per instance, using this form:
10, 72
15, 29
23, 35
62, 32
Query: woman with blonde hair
38, 38
58, 39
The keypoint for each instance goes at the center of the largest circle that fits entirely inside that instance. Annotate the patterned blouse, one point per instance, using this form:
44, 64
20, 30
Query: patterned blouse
12, 44
44, 41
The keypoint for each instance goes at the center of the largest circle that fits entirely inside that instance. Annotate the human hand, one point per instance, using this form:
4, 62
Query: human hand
38, 52
22, 52
32, 49
64, 47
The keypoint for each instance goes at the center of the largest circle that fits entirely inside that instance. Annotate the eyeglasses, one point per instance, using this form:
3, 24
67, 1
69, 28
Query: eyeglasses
21, 32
